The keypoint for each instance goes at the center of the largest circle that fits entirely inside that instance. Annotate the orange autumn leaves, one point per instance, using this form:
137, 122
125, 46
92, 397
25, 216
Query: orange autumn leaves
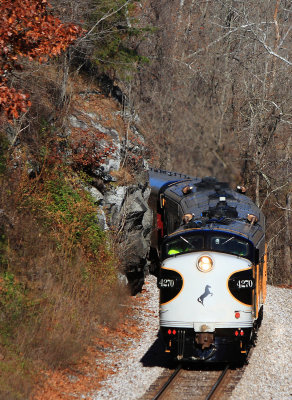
27, 29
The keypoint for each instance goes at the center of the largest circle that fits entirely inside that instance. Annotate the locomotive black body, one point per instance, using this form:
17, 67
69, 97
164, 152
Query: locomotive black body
208, 243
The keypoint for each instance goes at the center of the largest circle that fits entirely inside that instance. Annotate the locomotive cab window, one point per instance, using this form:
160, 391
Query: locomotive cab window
207, 241
183, 243
231, 244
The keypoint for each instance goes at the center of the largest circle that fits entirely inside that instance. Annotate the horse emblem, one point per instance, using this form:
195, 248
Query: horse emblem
205, 294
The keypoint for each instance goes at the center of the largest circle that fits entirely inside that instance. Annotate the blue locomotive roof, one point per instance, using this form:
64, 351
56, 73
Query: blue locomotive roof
210, 201
159, 178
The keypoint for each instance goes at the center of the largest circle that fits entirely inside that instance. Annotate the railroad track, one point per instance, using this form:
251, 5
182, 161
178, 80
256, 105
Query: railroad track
216, 386
168, 383
184, 384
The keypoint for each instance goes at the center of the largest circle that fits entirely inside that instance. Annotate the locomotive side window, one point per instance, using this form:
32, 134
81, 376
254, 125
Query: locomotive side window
172, 216
230, 244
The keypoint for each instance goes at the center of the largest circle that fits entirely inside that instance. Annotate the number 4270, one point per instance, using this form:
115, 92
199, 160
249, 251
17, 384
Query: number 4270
245, 284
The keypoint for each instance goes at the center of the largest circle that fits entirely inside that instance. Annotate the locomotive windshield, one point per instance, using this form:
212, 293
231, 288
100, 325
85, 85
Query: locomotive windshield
231, 244
207, 240
183, 244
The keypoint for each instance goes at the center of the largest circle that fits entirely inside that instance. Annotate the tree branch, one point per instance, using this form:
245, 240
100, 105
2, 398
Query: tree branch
108, 15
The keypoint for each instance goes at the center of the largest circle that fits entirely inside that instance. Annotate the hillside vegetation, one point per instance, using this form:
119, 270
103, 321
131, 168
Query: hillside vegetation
59, 275
209, 84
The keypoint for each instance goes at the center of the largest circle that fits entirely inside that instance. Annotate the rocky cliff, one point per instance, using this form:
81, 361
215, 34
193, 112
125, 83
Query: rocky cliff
106, 142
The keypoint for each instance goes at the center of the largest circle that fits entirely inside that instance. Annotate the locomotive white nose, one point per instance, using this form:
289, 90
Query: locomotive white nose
209, 284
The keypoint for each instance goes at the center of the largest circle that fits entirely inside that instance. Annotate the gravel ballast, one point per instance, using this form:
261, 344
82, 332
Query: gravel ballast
132, 378
268, 375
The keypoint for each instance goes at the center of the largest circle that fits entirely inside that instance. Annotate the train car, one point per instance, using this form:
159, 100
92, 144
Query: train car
208, 243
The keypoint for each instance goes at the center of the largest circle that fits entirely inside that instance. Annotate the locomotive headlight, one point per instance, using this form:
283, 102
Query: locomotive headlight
205, 264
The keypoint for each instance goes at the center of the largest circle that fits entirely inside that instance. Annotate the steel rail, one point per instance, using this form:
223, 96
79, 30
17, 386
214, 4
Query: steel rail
219, 380
167, 383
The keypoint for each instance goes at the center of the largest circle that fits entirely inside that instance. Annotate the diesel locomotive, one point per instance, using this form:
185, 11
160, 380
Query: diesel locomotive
208, 245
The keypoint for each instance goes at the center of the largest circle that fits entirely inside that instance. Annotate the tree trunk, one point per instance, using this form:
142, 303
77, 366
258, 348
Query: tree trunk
257, 189
288, 222
66, 64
